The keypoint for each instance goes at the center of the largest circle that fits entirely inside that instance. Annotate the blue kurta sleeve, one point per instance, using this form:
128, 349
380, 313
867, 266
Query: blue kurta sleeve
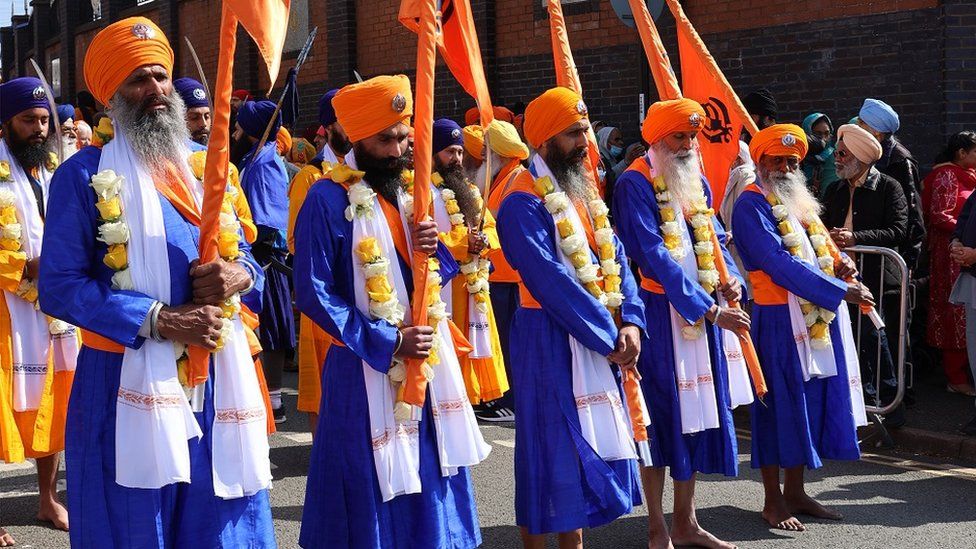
761, 248
253, 298
72, 258
322, 264
528, 240
636, 217
632, 309
265, 184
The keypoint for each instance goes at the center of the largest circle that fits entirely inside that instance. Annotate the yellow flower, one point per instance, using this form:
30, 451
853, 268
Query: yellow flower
30, 295
379, 284
607, 251
594, 289
433, 264
9, 245
380, 297
579, 259
452, 207
197, 162
52, 162
806, 308
8, 216
795, 250
822, 251
481, 297
407, 177
4, 170
706, 262
117, 257
659, 184
103, 133
703, 234
227, 207
611, 283
819, 330
672, 241
771, 198
436, 179
708, 287
667, 215
565, 227
543, 186
785, 227
601, 222
181, 367
228, 245
368, 250
109, 210
342, 173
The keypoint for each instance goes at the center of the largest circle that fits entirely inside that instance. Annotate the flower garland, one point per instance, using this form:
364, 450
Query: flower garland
476, 268
575, 247
700, 218
11, 233
817, 318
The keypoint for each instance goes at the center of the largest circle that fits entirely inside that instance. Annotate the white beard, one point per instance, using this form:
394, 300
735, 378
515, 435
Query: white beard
682, 174
792, 191
68, 148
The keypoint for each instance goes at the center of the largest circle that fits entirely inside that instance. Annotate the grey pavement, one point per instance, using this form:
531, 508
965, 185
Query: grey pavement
888, 501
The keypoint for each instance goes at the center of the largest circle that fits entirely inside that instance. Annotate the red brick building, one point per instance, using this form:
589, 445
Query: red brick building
814, 55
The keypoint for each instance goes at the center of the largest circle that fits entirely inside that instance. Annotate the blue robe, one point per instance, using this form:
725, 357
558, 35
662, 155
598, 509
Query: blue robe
76, 286
561, 483
637, 214
343, 505
800, 423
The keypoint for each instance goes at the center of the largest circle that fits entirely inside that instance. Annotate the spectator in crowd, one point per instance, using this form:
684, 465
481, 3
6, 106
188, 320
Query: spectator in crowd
818, 165
616, 157
963, 253
198, 116
69, 145
88, 107
867, 207
944, 193
761, 105
473, 159
742, 174
302, 152
283, 143
84, 132
320, 138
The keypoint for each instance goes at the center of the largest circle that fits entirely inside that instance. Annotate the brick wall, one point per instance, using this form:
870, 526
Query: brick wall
198, 21
724, 15
960, 68
82, 40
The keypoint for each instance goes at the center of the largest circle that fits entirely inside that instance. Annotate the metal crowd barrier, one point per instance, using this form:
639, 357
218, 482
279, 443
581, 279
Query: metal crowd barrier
875, 407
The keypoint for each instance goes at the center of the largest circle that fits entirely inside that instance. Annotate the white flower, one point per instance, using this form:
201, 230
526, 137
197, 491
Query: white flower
122, 280
433, 277
700, 220
678, 253
178, 350
820, 344
350, 212
478, 286
704, 248
572, 244
437, 312
396, 317
792, 240
457, 219
825, 262
614, 299
361, 194
234, 302
691, 333
229, 223
709, 277
556, 202
58, 327
827, 316
663, 197
7, 198
447, 195
384, 309
107, 184
598, 207
397, 372
427, 371
481, 307
602, 298
406, 203
226, 330
818, 240
231, 191
470, 267
604, 236
11, 231
670, 227
376, 268
116, 232
780, 212
610, 267
588, 273
402, 412
811, 318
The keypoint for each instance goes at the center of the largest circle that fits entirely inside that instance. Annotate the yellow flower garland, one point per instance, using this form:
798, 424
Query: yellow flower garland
11, 240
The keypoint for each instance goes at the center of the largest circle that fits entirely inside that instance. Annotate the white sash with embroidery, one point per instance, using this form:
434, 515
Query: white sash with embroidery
604, 421
31, 334
740, 386
396, 447
153, 417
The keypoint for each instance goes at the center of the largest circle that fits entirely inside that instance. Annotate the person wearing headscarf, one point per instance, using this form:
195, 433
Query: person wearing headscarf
382, 474
302, 152
264, 180
33, 351
473, 158
472, 117
761, 106
150, 466
867, 207
575, 458
313, 341
801, 329
614, 157
283, 142
818, 165
945, 192
663, 214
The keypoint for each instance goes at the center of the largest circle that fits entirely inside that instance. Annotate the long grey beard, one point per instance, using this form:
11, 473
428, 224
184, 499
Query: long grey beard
792, 191
681, 173
157, 137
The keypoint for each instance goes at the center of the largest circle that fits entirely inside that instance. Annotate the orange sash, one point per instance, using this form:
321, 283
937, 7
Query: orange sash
100, 343
765, 291
651, 285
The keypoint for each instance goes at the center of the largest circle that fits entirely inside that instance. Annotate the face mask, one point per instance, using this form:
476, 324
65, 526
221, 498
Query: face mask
602, 173
616, 151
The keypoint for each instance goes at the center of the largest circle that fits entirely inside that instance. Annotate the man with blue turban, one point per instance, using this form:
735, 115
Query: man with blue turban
265, 184
198, 116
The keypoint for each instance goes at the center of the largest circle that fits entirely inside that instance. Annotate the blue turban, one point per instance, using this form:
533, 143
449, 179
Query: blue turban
20, 94
327, 115
446, 133
192, 92
879, 115
65, 112
253, 116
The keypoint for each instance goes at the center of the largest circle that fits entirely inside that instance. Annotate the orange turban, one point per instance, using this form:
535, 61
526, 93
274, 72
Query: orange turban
474, 140
367, 108
121, 48
473, 115
551, 113
672, 116
283, 141
779, 140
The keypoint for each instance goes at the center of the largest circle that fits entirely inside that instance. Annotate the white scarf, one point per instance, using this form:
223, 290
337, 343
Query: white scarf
603, 419
153, 418
478, 328
31, 333
396, 446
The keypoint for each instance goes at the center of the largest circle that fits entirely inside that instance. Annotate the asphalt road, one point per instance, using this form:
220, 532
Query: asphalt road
888, 502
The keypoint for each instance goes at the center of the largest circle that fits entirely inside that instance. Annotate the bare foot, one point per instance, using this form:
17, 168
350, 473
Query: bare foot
779, 516
806, 505
6, 540
55, 513
696, 536
659, 540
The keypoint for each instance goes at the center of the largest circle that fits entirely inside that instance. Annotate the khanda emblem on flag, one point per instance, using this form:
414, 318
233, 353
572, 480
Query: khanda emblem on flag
718, 128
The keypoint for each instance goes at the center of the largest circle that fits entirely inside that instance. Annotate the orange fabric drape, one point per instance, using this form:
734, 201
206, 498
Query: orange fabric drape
657, 56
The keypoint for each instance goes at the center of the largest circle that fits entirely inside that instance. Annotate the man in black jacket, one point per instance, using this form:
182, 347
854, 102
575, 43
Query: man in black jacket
867, 207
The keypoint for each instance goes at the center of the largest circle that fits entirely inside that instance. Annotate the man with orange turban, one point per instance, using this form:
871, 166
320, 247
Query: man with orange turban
662, 206
473, 137
383, 473
802, 329
148, 465
575, 457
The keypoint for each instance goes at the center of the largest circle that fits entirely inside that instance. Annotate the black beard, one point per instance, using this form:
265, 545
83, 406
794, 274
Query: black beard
569, 172
384, 175
339, 145
29, 155
455, 180
202, 138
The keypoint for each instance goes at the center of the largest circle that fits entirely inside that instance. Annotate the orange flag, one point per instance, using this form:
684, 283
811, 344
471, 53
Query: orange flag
657, 56
704, 82
458, 45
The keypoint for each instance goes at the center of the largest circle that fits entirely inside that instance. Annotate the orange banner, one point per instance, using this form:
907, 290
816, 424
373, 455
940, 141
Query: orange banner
657, 56
703, 81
